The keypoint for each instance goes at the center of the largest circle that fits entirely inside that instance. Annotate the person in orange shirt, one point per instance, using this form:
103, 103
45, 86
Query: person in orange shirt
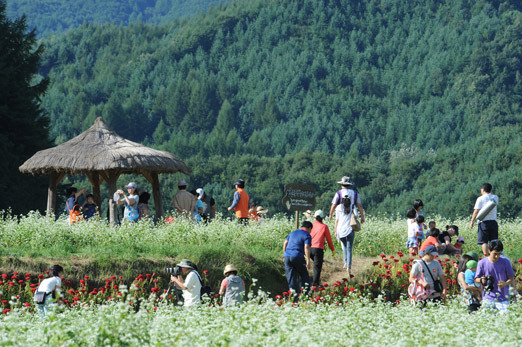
320, 232
433, 239
240, 202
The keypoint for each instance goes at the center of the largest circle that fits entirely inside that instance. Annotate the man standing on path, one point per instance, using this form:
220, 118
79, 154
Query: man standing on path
209, 211
184, 202
296, 252
240, 202
347, 190
488, 226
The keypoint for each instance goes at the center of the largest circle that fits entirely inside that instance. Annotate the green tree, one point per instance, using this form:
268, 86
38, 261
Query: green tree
24, 129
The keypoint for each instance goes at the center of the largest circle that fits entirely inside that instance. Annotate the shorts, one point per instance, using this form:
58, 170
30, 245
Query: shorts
487, 231
412, 242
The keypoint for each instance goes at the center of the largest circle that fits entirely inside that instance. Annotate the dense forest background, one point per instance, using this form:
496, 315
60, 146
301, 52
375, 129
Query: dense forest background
412, 99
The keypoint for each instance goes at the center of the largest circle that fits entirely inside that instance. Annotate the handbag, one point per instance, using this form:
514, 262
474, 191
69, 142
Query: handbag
437, 284
354, 220
39, 297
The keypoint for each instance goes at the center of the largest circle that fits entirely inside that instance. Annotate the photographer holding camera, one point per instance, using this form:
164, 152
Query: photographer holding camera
191, 285
496, 274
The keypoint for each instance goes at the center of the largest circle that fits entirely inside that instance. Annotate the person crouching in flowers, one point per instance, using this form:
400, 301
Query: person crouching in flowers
232, 287
425, 273
49, 290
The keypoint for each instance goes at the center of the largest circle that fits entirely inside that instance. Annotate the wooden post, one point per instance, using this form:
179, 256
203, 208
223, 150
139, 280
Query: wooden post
111, 177
51, 191
94, 178
152, 177
296, 220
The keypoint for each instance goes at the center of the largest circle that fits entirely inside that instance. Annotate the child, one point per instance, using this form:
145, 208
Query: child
232, 287
431, 226
458, 245
89, 207
412, 242
420, 229
469, 276
433, 239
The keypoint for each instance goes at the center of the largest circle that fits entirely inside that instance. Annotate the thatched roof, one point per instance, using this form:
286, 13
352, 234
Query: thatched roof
101, 149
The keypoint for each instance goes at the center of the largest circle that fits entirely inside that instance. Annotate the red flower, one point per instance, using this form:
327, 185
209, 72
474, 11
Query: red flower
352, 275
15, 273
4, 276
26, 304
41, 277
399, 273
278, 297
216, 295
20, 281
82, 282
384, 260
352, 289
383, 256
520, 261
313, 289
399, 253
113, 278
457, 256
205, 272
325, 284
6, 310
148, 276
375, 263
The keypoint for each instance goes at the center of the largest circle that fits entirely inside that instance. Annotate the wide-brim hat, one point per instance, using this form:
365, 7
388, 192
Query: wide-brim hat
186, 263
261, 210
182, 182
308, 214
345, 181
229, 268
473, 255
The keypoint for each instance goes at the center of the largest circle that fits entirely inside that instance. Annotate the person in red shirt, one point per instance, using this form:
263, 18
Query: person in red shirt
320, 232
433, 239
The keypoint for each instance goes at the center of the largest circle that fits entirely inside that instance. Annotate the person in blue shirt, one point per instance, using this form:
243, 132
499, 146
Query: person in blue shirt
296, 250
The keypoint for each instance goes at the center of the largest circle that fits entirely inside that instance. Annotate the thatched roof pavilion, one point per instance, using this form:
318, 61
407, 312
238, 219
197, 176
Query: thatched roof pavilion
102, 155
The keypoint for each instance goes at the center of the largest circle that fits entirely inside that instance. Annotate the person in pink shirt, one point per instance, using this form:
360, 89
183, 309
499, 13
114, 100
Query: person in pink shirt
320, 232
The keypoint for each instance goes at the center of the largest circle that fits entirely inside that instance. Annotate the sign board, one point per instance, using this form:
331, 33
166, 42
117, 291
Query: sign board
299, 197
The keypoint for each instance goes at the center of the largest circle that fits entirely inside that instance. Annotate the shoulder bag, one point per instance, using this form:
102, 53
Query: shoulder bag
437, 284
354, 220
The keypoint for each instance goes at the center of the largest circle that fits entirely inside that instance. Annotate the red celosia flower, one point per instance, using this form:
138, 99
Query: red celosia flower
20, 281
383, 256
520, 261
4, 276
41, 277
148, 276
325, 284
205, 272
113, 278
26, 304
86, 277
278, 297
352, 289
6, 310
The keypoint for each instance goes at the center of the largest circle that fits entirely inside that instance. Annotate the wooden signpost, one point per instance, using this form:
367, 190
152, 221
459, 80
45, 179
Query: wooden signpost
299, 197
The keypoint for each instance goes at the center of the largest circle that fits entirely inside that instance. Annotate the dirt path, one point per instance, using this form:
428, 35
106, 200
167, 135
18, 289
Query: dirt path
333, 268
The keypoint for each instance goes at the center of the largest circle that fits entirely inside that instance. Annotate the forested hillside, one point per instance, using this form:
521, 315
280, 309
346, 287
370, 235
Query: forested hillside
57, 16
413, 99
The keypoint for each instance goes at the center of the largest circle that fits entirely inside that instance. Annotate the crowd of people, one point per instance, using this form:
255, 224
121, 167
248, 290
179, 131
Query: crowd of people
483, 281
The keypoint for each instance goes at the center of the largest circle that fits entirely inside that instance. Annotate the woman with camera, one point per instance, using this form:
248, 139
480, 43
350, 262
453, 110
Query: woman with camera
190, 285
49, 290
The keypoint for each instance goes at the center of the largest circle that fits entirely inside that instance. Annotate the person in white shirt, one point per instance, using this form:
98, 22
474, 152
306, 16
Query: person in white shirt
191, 285
48, 290
488, 226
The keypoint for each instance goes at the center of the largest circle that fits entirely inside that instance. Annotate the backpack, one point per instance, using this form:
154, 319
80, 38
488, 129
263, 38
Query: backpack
75, 214
204, 289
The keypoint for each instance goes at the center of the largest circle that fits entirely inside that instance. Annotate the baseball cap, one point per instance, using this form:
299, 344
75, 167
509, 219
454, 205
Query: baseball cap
471, 264
131, 185
319, 213
431, 250
460, 239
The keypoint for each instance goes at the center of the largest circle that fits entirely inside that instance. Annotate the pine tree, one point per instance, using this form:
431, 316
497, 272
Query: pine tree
24, 129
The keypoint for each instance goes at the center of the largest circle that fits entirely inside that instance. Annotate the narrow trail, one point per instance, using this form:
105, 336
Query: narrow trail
333, 268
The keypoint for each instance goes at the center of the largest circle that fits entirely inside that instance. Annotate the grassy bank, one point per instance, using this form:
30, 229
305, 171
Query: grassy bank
31, 243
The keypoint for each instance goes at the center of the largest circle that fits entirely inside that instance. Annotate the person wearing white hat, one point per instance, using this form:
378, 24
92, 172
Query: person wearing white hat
184, 202
320, 232
130, 201
209, 211
347, 190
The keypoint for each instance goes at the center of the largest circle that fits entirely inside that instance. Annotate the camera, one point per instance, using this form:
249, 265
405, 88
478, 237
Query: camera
175, 271
490, 283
